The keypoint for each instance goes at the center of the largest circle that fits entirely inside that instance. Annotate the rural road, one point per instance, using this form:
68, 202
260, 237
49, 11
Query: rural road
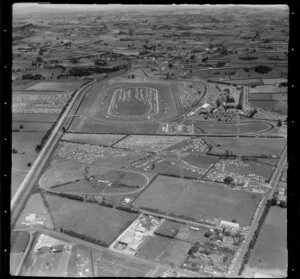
238, 259
78, 241
30, 179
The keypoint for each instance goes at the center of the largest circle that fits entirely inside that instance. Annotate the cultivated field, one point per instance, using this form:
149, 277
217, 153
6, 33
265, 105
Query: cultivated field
56, 86
99, 223
32, 126
51, 103
198, 200
248, 146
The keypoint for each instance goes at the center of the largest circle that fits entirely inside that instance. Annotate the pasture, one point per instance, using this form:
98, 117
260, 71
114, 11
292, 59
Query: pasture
198, 200
100, 223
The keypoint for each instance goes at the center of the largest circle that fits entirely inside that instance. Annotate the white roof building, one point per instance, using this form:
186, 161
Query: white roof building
224, 223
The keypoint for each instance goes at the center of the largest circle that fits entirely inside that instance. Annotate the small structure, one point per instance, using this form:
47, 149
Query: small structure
206, 108
229, 225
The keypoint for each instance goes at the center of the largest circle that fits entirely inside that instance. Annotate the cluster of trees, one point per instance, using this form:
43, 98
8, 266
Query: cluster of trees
256, 233
83, 237
261, 69
39, 147
128, 209
248, 58
33, 76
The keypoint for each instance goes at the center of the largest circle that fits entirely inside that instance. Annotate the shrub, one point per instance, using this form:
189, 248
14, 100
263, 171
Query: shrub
15, 151
228, 180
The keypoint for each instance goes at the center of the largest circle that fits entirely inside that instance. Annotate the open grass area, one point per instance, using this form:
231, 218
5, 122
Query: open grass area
83, 178
150, 143
102, 224
19, 241
34, 117
154, 247
198, 200
107, 264
97, 109
32, 126
248, 146
243, 128
270, 251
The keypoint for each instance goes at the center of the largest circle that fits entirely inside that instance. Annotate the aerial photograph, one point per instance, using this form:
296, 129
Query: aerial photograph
149, 140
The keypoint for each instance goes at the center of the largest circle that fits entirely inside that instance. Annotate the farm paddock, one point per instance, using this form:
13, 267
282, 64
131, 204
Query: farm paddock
198, 200
99, 223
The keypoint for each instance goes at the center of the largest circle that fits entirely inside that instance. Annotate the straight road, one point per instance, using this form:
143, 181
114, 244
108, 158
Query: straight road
30, 179
237, 261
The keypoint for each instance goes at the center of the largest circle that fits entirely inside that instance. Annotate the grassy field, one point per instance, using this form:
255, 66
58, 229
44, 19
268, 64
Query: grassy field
14, 261
80, 262
270, 251
95, 108
154, 247
107, 264
250, 146
34, 117
32, 126
198, 200
83, 178
96, 139
227, 129
176, 252
19, 241
98, 222
35, 205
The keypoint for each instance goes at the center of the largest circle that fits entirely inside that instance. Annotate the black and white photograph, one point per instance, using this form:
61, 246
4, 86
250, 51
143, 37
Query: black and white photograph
149, 140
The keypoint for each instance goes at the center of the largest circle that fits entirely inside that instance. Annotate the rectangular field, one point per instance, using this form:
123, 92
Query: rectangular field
56, 86
198, 200
149, 143
99, 223
32, 126
270, 251
250, 146
108, 264
34, 117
